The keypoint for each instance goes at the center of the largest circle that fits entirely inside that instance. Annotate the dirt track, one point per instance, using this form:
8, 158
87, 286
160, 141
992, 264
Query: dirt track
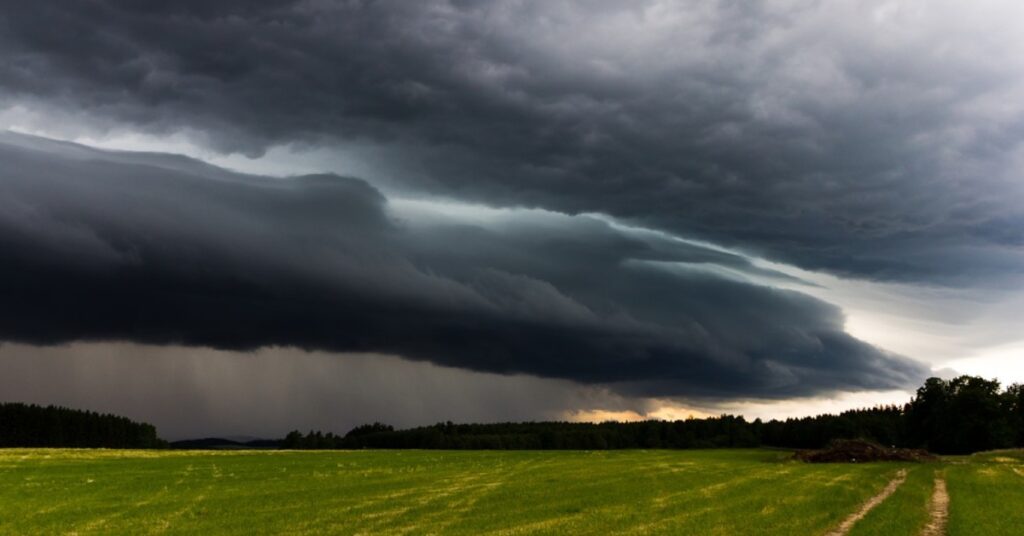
889, 489
938, 510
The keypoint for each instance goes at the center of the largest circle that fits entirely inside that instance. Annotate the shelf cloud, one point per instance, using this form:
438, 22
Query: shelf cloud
700, 204
162, 250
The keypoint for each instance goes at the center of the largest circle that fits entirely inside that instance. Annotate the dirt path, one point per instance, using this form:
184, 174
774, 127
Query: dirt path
938, 510
890, 488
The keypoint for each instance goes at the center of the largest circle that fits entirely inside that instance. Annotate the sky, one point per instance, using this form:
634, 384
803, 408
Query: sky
241, 218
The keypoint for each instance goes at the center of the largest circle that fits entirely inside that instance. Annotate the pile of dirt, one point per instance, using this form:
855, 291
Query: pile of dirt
859, 451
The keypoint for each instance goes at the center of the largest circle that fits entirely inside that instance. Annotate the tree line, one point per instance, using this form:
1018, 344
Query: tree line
959, 416
29, 425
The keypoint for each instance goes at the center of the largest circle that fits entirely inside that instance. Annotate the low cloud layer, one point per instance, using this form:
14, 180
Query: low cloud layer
159, 249
877, 140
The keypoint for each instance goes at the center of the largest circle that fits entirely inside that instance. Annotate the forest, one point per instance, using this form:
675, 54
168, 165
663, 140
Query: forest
29, 425
958, 416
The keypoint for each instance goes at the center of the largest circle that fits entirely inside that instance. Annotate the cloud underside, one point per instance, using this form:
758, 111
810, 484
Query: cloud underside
163, 250
871, 140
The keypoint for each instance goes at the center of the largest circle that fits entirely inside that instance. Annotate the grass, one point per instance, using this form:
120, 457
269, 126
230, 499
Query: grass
484, 492
987, 493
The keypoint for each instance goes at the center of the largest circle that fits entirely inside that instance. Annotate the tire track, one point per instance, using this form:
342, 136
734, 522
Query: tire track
938, 510
849, 522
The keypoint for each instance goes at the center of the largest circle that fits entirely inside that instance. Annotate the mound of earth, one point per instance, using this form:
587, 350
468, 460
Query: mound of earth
859, 451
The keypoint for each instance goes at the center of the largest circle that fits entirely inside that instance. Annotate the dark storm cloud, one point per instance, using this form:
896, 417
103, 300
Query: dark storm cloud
867, 139
164, 250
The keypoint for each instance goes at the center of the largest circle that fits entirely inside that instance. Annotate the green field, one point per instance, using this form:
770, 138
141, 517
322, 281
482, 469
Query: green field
490, 492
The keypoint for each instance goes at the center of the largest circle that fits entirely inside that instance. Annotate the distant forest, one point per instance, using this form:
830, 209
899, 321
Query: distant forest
24, 425
959, 416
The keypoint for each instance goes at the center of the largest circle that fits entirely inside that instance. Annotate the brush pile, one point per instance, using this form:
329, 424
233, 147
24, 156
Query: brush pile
860, 451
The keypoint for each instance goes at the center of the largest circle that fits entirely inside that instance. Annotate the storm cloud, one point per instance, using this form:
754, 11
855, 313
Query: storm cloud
874, 140
160, 249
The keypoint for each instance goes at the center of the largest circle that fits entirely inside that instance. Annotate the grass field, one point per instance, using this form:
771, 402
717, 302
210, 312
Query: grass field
490, 492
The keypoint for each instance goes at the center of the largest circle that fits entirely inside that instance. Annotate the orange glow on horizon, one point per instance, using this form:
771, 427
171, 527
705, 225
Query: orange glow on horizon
663, 413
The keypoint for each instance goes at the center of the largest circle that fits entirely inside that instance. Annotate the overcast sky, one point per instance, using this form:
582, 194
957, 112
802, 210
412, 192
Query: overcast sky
232, 217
